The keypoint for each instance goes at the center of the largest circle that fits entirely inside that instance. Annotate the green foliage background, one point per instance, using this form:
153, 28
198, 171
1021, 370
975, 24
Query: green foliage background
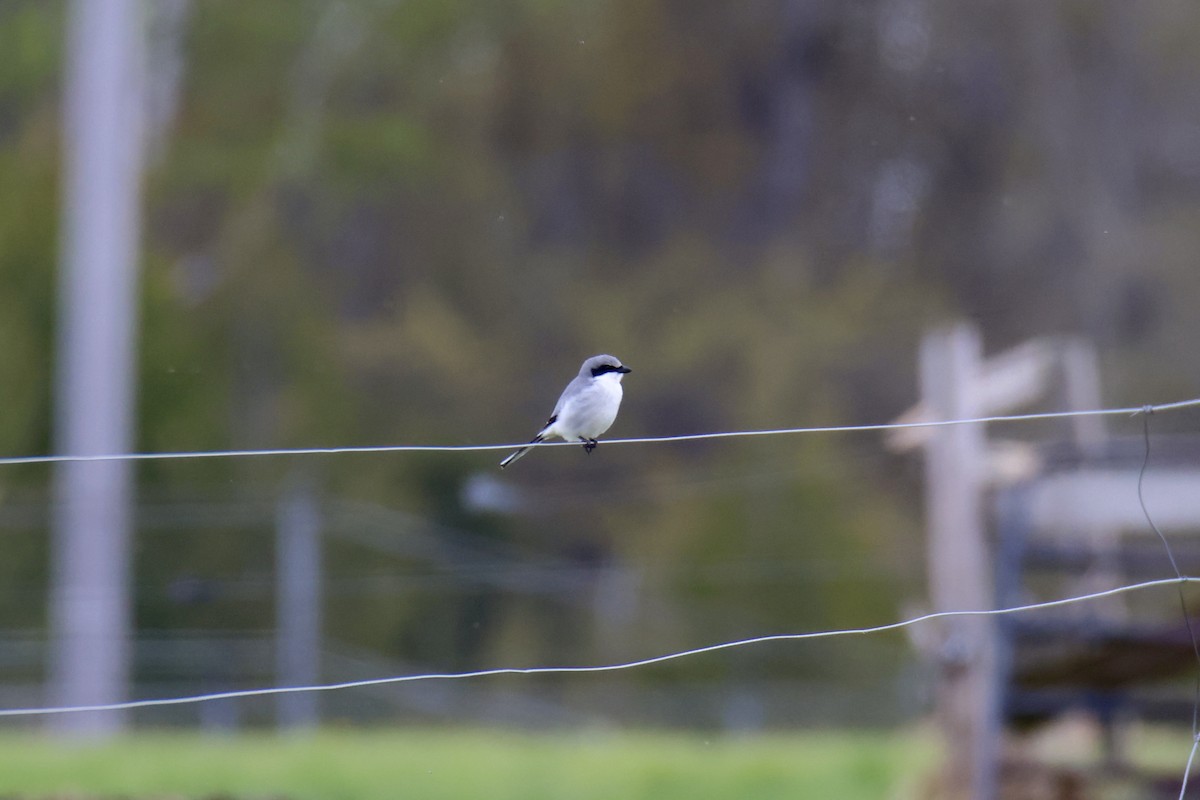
372, 222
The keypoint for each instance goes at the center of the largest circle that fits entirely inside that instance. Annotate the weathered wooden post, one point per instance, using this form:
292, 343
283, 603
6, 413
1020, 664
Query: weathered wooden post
960, 576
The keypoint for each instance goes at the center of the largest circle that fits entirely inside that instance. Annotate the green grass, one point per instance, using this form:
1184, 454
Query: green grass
448, 764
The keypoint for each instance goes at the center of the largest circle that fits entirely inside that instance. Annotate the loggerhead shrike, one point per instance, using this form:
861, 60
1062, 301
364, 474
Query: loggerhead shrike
586, 408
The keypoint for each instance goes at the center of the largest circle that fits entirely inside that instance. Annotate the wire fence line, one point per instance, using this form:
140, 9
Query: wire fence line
687, 437
644, 662
1187, 621
1179, 581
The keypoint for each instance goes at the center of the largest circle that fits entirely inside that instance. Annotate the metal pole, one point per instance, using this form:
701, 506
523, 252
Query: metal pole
298, 604
90, 607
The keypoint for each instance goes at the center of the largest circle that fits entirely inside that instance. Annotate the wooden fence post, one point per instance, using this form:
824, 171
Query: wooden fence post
960, 576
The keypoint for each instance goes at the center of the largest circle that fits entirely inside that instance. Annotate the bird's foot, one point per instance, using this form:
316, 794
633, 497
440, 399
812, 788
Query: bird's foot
589, 446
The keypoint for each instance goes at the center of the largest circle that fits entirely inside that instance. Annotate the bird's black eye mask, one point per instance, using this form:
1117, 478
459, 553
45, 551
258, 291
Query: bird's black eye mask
606, 368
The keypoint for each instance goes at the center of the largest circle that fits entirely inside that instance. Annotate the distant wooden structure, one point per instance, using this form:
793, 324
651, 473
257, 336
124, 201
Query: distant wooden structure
999, 512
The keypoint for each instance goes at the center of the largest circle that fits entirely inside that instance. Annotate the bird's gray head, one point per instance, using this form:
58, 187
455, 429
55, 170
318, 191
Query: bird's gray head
596, 366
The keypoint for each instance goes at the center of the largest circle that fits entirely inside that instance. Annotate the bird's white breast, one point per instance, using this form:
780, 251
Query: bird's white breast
593, 410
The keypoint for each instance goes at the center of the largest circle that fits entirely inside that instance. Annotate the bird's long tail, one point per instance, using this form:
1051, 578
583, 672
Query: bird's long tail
518, 453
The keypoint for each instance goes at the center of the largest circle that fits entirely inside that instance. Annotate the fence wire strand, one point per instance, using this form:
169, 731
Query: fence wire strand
1147, 412
687, 437
644, 662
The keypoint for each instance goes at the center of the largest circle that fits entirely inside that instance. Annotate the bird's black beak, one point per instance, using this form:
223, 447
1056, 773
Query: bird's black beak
624, 369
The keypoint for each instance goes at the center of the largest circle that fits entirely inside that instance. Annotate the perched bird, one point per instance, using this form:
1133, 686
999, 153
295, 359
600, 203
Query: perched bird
586, 408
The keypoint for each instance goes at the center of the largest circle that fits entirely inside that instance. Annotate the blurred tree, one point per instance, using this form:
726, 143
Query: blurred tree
375, 222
